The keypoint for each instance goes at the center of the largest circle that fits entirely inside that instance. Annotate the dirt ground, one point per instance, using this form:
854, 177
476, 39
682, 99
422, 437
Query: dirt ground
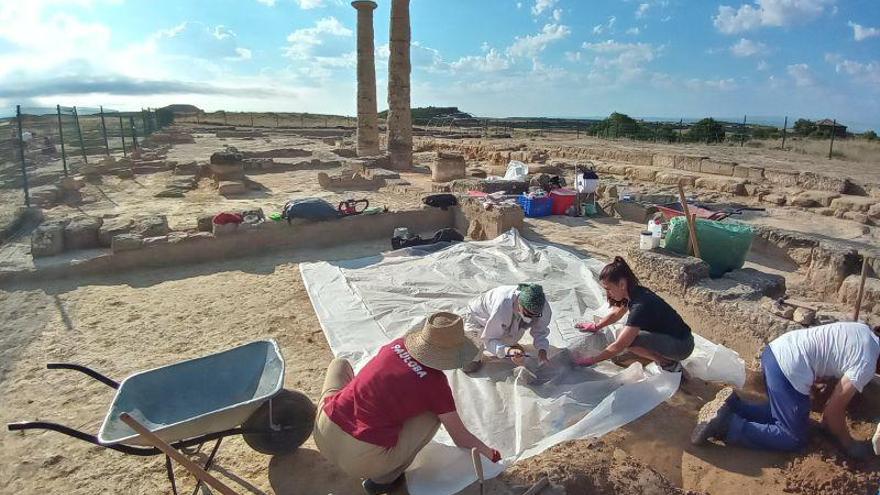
127, 322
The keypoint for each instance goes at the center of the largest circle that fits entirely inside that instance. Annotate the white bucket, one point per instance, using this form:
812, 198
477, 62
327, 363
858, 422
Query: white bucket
646, 240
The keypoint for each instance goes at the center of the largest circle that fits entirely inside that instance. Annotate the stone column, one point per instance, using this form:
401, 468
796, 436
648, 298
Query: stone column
400, 142
368, 119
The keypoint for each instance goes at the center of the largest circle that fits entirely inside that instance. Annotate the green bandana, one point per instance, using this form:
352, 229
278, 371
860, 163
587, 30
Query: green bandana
531, 297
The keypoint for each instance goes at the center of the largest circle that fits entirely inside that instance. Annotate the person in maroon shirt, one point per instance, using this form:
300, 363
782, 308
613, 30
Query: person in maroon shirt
372, 425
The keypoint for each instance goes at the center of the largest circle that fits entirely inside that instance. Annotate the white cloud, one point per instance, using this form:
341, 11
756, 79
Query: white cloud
633, 31
304, 43
768, 13
222, 32
492, 61
866, 73
518, 5
861, 33
801, 74
746, 48
573, 56
619, 61
243, 54
308, 4
268, 3
531, 45
557, 15
605, 27
543, 5
711, 84
642, 10
763, 65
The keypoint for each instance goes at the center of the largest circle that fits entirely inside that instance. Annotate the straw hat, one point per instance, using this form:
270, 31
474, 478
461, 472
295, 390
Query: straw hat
441, 344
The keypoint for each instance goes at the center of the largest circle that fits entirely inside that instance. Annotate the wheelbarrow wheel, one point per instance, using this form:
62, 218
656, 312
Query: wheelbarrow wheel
291, 423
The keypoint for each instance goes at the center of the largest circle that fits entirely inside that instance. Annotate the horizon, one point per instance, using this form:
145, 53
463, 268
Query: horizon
650, 59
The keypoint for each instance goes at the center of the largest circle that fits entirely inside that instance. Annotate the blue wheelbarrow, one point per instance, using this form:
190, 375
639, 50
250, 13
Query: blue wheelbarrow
190, 403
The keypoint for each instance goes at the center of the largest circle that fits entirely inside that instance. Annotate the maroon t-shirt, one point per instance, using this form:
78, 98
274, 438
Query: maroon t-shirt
392, 388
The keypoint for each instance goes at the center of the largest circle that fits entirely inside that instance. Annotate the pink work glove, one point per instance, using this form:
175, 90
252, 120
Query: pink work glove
587, 327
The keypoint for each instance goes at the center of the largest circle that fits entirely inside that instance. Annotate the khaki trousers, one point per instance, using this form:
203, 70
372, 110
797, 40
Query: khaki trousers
363, 459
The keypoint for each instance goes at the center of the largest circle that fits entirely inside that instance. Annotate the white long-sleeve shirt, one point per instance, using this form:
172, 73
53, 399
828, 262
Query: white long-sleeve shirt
493, 316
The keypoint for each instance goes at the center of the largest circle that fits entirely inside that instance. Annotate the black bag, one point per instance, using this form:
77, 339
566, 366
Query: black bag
442, 201
442, 235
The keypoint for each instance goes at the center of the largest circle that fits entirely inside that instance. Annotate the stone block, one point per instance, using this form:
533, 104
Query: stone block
813, 199
227, 157
664, 161
483, 224
231, 188
781, 177
447, 167
854, 203
48, 240
764, 284
674, 178
720, 184
45, 196
126, 242
72, 183
804, 316
82, 233
151, 226
689, 163
113, 227
874, 211
774, 199
204, 223
849, 291
746, 172
812, 180
857, 217
667, 271
642, 173
716, 167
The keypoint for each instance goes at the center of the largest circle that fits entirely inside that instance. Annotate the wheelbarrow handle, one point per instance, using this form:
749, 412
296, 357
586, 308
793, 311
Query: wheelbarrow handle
80, 435
85, 370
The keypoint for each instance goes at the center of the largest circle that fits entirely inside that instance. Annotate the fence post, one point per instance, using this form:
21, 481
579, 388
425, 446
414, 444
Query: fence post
833, 132
82, 146
784, 128
61, 138
27, 195
276, 120
680, 128
144, 121
104, 130
134, 134
742, 136
252, 121
122, 133
225, 122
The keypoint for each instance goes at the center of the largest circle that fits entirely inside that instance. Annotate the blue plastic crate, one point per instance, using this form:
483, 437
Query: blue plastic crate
536, 207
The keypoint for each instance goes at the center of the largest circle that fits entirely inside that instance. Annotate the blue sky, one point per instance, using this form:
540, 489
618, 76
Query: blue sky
570, 58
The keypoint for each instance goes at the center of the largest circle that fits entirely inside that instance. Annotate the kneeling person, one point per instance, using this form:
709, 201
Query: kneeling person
372, 425
792, 364
653, 329
500, 318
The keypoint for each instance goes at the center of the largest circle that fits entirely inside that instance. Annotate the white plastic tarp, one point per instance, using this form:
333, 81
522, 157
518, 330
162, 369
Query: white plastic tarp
363, 304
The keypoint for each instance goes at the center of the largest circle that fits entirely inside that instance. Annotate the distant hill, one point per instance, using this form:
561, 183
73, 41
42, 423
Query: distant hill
181, 109
422, 115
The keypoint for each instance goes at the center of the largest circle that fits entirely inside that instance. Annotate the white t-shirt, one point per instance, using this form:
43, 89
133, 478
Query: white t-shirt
834, 350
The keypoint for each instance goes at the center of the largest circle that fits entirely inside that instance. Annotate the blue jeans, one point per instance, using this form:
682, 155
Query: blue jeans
780, 424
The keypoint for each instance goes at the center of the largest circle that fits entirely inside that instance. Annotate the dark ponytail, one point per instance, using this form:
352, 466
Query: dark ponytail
618, 269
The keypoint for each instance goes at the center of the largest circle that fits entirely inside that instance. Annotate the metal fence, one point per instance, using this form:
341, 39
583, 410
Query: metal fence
40, 146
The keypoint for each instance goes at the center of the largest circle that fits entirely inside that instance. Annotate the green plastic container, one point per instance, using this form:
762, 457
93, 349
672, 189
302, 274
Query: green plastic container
724, 246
